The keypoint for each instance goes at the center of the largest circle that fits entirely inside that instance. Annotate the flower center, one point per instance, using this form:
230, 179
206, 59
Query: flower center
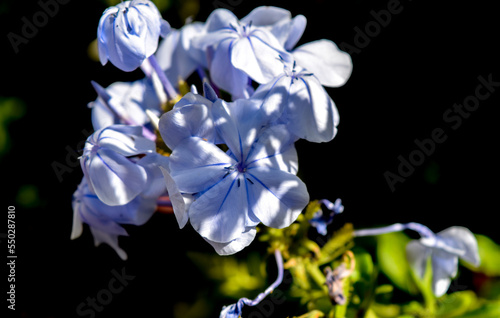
292, 71
241, 167
243, 30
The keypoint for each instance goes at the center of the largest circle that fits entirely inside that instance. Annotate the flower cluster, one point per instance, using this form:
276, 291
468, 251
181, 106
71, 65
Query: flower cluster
225, 165
221, 155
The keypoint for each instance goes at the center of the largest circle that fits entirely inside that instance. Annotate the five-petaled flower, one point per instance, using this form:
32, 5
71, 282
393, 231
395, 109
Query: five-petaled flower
113, 162
233, 191
241, 50
444, 249
321, 220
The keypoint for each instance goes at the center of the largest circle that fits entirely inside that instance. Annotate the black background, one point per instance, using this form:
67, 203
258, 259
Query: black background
412, 71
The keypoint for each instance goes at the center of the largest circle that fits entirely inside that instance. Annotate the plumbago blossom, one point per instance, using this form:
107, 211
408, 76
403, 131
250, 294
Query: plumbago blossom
121, 185
321, 220
443, 248
239, 51
253, 181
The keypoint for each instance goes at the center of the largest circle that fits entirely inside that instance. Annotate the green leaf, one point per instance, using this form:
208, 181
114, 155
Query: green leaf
391, 256
364, 265
386, 311
341, 241
456, 304
312, 314
488, 310
489, 254
236, 278
363, 280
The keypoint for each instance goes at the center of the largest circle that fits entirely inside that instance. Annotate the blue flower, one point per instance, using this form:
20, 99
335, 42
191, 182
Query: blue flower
233, 191
444, 249
177, 57
126, 103
110, 162
321, 220
232, 311
128, 33
191, 116
298, 98
104, 220
279, 22
331, 66
239, 51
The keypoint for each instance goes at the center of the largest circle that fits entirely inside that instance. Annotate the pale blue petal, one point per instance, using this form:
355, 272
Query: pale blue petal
323, 58
178, 203
273, 96
297, 28
238, 124
258, 55
110, 239
192, 98
213, 39
440, 285
114, 178
443, 269
136, 212
219, 214
101, 115
465, 240
100, 222
277, 197
227, 128
417, 256
186, 121
249, 119
235, 245
311, 112
89, 208
447, 263
220, 19
128, 101
155, 183
105, 33
224, 74
177, 57
209, 92
125, 140
188, 33
274, 149
195, 165
266, 16
77, 228
148, 25
165, 28
167, 48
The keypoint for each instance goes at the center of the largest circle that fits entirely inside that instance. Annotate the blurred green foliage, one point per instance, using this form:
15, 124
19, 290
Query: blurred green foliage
381, 284
11, 109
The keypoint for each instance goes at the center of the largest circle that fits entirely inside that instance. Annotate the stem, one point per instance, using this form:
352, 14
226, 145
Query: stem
167, 86
270, 289
423, 230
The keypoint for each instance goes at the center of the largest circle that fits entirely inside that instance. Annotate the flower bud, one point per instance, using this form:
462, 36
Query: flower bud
128, 33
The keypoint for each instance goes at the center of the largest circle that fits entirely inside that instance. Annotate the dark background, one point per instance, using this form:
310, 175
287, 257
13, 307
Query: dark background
412, 71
